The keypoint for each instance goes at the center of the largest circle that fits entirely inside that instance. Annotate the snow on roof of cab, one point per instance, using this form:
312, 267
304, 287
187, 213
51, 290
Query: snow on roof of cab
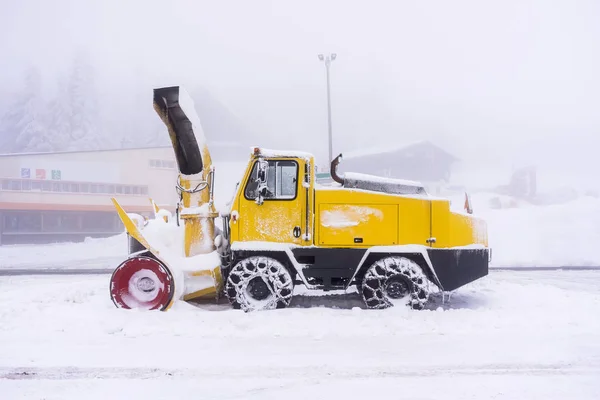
389, 148
281, 153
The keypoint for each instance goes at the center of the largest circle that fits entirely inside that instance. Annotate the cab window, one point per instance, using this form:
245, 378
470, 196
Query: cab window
282, 181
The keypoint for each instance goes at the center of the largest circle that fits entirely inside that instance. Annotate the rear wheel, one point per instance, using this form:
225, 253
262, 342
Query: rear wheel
259, 283
394, 280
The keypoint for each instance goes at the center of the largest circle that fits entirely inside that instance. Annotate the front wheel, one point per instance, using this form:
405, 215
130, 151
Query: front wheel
394, 280
259, 283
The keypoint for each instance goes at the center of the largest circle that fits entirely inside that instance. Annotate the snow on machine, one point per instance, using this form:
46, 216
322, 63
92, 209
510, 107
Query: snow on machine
388, 238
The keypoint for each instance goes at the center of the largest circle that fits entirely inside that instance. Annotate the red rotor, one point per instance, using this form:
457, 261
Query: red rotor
142, 282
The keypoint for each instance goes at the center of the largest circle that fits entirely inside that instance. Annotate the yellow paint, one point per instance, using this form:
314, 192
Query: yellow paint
154, 206
208, 292
394, 220
131, 227
156, 210
344, 224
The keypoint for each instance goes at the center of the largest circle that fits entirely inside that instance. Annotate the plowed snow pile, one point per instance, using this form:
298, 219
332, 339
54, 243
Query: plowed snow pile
542, 236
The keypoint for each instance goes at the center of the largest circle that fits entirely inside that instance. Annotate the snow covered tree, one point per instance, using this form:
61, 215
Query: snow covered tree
81, 108
58, 118
22, 125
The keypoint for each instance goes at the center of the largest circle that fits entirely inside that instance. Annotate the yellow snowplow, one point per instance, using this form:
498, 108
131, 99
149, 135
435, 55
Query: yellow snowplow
387, 238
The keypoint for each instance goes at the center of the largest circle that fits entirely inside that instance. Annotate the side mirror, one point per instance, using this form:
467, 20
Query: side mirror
263, 175
263, 170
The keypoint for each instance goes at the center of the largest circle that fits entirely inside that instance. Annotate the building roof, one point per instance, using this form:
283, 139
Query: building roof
209, 143
392, 148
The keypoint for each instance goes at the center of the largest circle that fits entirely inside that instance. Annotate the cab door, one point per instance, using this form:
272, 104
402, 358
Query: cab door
271, 206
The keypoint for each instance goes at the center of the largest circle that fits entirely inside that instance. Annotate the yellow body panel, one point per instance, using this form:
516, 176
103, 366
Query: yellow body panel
131, 227
344, 225
454, 229
345, 218
393, 219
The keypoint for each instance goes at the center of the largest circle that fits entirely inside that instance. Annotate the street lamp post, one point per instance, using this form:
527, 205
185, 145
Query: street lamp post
328, 59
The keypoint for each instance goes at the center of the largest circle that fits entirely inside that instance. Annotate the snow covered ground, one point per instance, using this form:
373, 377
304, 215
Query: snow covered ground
511, 335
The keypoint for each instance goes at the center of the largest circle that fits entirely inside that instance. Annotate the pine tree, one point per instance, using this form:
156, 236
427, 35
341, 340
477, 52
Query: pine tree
58, 121
22, 125
85, 133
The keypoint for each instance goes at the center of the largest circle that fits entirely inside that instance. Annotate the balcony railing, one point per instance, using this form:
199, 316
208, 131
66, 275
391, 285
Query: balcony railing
53, 186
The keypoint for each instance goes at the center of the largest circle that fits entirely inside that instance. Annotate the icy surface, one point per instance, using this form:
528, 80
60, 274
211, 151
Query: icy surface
512, 335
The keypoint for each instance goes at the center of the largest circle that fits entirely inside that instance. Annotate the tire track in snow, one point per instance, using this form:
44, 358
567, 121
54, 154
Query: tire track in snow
78, 373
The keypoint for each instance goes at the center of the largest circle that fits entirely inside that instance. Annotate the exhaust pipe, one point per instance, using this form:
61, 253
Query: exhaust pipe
333, 170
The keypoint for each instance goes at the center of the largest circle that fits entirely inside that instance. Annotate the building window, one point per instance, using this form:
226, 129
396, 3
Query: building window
15, 185
11, 223
167, 164
70, 222
26, 185
51, 222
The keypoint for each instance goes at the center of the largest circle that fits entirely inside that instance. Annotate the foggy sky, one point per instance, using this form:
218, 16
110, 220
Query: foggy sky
490, 81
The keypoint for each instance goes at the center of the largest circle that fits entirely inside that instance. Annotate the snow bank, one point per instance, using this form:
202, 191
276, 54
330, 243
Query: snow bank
92, 253
540, 236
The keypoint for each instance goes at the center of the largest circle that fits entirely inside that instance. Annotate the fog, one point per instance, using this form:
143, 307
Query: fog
495, 83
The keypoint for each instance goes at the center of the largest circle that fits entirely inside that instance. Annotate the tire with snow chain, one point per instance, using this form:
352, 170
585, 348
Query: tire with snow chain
259, 283
394, 280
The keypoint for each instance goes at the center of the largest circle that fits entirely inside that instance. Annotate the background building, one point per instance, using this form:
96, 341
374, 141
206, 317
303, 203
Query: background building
50, 197
421, 161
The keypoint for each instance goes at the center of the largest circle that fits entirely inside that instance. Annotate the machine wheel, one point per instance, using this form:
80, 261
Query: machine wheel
393, 280
259, 283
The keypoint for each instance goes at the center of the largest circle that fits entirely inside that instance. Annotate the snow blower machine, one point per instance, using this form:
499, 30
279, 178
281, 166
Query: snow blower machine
386, 238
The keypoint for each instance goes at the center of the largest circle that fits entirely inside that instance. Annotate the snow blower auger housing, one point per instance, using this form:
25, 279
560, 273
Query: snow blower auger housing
170, 260
386, 237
